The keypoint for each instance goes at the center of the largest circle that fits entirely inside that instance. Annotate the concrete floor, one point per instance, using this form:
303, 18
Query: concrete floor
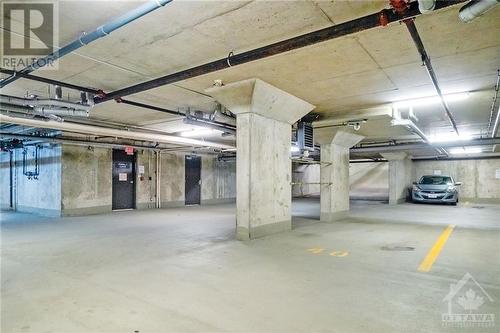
180, 270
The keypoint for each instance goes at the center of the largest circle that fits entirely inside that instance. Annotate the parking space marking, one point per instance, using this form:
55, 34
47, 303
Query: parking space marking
426, 264
316, 250
339, 253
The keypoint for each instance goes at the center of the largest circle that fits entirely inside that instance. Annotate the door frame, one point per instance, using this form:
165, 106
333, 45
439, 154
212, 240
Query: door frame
134, 176
186, 158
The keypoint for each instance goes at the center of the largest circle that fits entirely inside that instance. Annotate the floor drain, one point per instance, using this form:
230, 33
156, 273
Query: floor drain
478, 207
397, 248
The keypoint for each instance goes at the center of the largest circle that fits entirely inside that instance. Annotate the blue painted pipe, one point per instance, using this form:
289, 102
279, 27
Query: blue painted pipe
85, 39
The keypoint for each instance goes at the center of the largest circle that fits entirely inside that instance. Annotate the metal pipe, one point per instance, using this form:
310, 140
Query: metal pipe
374, 20
44, 104
415, 129
47, 139
427, 62
49, 81
475, 9
95, 130
158, 179
416, 146
412, 29
202, 123
497, 118
222, 120
90, 37
426, 6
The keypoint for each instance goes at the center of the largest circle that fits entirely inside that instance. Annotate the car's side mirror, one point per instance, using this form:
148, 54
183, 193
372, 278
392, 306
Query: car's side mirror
458, 183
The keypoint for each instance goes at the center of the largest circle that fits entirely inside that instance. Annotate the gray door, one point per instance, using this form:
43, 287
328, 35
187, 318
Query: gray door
193, 179
123, 180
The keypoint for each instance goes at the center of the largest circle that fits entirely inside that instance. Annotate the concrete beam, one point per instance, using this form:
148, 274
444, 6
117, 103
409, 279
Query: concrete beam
259, 97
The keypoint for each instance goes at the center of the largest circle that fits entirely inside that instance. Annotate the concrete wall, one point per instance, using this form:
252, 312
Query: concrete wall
367, 180
218, 180
86, 180
42, 195
146, 182
477, 176
172, 180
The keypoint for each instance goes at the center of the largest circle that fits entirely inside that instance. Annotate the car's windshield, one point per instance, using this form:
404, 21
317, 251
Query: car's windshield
435, 180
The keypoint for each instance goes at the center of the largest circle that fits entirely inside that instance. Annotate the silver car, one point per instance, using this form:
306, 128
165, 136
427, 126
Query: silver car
439, 189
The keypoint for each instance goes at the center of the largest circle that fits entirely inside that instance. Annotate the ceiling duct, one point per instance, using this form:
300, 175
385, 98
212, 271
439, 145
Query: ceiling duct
305, 136
44, 107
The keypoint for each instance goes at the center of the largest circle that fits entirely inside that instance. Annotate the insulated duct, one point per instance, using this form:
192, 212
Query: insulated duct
426, 6
44, 107
102, 131
475, 9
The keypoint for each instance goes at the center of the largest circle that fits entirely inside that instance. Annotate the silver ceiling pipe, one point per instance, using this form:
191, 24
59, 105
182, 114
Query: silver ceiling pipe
426, 6
87, 38
475, 9
46, 107
110, 132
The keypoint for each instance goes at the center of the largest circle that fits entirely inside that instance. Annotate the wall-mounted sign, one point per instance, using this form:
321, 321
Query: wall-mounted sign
129, 150
141, 168
436, 172
122, 177
497, 173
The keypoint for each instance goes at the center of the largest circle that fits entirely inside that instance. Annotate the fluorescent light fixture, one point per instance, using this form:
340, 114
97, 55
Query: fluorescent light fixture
200, 132
295, 149
465, 150
449, 137
431, 100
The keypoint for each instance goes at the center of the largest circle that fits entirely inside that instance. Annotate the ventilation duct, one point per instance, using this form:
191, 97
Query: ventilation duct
305, 136
44, 107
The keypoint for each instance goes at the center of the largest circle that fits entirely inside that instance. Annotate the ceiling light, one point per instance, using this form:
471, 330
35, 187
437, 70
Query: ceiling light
465, 150
200, 132
431, 100
449, 137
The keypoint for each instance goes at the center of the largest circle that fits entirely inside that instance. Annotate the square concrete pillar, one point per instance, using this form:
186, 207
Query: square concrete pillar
264, 115
400, 176
334, 171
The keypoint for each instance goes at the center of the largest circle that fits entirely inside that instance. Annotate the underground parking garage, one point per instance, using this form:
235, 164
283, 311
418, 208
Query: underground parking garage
250, 166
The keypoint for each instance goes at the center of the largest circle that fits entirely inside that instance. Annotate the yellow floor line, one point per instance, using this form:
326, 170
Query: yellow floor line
431, 257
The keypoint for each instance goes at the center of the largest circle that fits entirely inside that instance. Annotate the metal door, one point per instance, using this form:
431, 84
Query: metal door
123, 180
193, 179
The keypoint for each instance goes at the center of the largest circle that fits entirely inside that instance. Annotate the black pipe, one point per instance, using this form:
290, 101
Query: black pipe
374, 20
98, 92
412, 29
49, 81
150, 107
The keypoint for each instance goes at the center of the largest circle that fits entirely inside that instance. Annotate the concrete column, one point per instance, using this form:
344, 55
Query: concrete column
334, 172
264, 115
400, 176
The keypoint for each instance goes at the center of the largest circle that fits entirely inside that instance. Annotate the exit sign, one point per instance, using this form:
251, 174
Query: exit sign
129, 150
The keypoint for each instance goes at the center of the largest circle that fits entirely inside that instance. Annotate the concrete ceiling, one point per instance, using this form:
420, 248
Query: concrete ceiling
363, 70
